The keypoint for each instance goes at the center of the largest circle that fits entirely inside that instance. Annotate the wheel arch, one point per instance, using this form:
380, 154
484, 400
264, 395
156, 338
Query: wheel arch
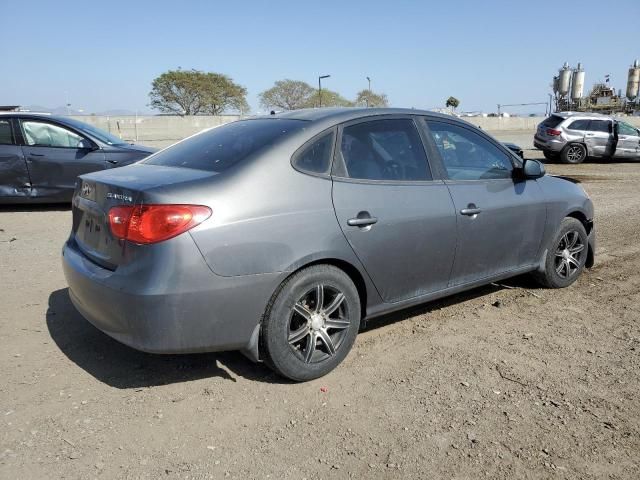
253, 350
588, 226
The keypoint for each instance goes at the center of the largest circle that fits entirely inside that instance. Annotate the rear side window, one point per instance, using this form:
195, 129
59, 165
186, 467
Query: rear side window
220, 148
6, 133
579, 125
384, 150
600, 126
315, 156
552, 122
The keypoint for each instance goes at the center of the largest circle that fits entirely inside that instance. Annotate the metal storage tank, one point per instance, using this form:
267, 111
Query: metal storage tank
633, 81
564, 80
577, 83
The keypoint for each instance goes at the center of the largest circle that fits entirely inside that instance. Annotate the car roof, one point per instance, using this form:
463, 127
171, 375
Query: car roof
344, 114
566, 115
42, 115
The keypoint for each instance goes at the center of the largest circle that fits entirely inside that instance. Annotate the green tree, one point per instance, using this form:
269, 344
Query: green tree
329, 99
288, 95
452, 102
367, 98
192, 92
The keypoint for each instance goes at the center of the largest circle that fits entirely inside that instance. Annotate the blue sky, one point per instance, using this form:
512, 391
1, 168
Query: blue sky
104, 55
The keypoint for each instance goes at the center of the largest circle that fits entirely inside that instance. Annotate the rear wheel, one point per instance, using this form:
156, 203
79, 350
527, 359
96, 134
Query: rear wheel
566, 255
574, 153
311, 323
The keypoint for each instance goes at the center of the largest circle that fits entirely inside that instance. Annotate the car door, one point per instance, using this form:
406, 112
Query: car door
500, 219
56, 156
628, 141
14, 176
599, 138
398, 218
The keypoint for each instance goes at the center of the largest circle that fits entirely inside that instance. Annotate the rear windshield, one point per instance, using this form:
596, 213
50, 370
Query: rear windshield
552, 122
220, 148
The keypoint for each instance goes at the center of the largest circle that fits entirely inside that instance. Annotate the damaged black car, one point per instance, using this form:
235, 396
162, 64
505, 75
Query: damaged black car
41, 156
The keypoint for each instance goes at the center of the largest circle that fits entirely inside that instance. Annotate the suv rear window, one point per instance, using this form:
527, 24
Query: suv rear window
220, 148
6, 133
600, 126
552, 122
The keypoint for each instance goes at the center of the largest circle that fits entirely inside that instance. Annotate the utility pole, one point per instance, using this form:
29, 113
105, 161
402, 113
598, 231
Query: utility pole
320, 89
369, 95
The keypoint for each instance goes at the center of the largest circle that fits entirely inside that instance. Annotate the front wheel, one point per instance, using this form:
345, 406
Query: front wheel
574, 153
311, 323
566, 255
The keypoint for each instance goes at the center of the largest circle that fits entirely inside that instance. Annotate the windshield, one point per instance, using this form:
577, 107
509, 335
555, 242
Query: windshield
220, 148
95, 132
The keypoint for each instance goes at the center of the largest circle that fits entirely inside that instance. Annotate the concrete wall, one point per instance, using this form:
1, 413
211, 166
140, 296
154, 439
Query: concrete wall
155, 130
161, 131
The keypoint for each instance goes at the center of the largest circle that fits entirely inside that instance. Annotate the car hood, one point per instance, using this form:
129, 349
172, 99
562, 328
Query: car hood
131, 147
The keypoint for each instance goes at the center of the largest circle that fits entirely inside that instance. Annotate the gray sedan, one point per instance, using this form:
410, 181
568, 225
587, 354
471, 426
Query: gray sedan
41, 156
280, 236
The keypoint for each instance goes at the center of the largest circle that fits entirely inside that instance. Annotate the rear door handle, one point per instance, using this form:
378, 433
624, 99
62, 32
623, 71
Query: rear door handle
36, 154
362, 221
113, 162
471, 210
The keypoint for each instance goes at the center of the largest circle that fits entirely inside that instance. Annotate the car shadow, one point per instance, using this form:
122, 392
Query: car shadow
521, 282
36, 207
119, 366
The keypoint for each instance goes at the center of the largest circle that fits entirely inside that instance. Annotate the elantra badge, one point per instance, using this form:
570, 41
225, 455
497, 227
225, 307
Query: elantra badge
119, 196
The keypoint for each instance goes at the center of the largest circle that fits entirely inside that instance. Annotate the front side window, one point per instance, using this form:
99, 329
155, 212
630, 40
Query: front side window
222, 147
6, 132
467, 155
626, 129
600, 126
315, 157
384, 150
579, 125
42, 134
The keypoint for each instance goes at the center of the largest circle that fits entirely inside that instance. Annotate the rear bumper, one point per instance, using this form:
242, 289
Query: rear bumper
179, 309
548, 145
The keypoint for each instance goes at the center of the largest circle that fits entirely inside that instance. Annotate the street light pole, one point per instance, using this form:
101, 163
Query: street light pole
320, 89
368, 80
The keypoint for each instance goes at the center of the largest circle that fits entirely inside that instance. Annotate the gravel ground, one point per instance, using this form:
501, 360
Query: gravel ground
508, 381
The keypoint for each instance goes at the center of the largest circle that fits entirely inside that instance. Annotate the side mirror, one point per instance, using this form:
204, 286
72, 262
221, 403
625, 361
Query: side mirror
533, 169
86, 144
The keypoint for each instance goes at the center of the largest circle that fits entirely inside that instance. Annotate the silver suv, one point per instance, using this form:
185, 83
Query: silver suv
572, 137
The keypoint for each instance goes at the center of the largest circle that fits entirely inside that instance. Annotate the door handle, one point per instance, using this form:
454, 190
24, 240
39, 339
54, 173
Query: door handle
113, 162
471, 210
36, 154
590, 135
362, 221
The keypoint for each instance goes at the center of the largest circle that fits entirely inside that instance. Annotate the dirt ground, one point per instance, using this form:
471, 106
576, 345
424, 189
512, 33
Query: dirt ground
506, 381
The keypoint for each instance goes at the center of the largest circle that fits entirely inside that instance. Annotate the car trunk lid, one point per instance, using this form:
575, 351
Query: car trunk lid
98, 192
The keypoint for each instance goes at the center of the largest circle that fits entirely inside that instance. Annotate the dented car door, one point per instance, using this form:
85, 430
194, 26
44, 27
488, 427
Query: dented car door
56, 156
14, 175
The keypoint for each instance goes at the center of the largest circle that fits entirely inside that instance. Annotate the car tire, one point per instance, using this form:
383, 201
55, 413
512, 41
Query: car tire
301, 338
574, 153
550, 155
566, 255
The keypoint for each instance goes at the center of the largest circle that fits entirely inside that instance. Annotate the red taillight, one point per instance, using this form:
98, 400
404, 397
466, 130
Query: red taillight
552, 132
155, 223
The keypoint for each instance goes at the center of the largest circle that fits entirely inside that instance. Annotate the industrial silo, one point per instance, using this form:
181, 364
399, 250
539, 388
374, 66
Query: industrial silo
577, 83
564, 80
633, 81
